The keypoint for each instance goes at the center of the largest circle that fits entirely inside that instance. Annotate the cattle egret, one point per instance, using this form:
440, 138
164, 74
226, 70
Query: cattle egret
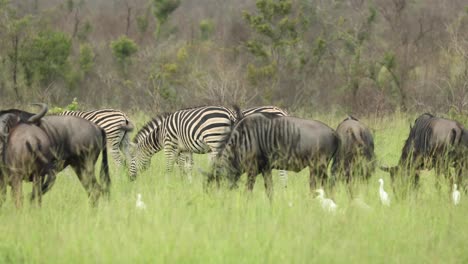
327, 204
455, 195
384, 199
139, 203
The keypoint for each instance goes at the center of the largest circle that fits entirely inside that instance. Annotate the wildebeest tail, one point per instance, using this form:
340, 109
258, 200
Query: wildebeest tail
104, 175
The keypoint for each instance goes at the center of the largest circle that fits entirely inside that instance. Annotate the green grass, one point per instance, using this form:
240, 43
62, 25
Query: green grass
184, 224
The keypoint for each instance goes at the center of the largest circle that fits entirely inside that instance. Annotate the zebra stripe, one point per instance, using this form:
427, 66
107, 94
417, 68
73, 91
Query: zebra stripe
265, 109
283, 175
196, 130
116, 124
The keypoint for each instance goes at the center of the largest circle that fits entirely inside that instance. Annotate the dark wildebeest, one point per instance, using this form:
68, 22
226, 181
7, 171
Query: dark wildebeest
26, 156
355, 156
76, 142
433, 142
260, 143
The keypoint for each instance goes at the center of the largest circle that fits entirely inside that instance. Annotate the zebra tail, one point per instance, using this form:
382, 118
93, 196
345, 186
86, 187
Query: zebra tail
238, 111
129, 127
104, 175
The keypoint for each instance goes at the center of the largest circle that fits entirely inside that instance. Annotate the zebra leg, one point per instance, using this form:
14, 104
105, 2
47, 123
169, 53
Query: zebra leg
125, 148
189, 165
170, 154
283, 177
268, 181
115, 152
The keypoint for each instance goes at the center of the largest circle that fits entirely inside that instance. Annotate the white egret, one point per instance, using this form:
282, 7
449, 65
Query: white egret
139, 203
327, 204
455, 195
384, 199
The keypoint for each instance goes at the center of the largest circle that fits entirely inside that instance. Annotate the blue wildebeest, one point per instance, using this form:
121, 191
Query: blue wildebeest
274, 111
27, 156
76, 142
117, 126
355, 156
433, 142
259, 143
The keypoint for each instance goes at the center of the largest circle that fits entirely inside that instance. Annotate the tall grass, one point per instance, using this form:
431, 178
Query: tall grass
185, 224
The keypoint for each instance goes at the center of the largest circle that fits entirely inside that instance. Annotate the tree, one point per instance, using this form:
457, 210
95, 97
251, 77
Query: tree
123, 49
45, 57
276, 33
162, 9
15, 28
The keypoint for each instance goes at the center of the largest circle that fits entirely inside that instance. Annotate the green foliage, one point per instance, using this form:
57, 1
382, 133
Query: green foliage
73, 106
162, 9
85, 30
206, 28
275, 34
86, 59
70, 5
123, 48
142, 23
45, 57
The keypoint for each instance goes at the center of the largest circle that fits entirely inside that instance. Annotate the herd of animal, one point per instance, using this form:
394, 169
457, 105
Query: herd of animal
35, 147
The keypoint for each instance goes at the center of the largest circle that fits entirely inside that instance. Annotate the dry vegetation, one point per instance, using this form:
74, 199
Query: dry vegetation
356, 56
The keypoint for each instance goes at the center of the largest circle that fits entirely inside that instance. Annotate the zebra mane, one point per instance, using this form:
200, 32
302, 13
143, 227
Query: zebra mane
149, 126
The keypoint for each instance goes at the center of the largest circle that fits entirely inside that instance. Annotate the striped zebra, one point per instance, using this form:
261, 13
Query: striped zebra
275, 111
195, 130
116, 124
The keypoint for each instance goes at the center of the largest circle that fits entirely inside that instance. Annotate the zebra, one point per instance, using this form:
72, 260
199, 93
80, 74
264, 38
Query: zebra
194, 130
274, 111
116, 125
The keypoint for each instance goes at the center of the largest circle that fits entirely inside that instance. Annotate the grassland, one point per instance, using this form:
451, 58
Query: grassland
184, 224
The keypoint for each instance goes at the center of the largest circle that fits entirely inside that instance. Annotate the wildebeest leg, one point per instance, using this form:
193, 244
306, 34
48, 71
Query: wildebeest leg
3, 187
47, 183
37, 189
85, 174
250, 181
312, 181
17, 190
268, 181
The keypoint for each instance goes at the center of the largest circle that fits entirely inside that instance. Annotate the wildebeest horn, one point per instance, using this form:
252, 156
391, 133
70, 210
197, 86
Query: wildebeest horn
39, 115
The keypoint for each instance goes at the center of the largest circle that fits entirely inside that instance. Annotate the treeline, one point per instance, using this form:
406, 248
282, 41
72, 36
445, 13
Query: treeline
356, 56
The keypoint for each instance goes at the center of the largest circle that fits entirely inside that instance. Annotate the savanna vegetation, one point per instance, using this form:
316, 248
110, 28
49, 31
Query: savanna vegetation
359, 56
183, 223
385, 61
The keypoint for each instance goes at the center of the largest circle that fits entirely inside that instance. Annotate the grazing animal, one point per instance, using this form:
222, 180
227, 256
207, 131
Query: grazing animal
455, 195
139, 203
76, 142
196, 130
433, 142
260, 143
327, 204
117, 126
384, 199
26, 155
355, 156
274, 111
